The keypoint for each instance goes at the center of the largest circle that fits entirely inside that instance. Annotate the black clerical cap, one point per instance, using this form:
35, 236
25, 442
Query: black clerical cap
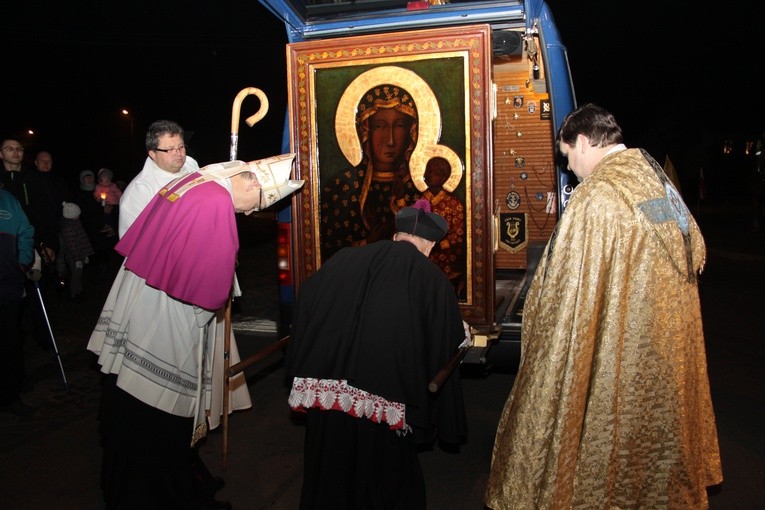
419, 221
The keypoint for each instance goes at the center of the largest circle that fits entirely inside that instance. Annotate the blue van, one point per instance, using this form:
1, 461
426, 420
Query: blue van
483, 87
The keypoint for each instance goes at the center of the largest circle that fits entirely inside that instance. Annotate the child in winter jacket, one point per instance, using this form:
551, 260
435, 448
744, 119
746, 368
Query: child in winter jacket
75, 248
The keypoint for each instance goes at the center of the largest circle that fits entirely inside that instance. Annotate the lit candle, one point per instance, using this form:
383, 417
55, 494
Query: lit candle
103, 199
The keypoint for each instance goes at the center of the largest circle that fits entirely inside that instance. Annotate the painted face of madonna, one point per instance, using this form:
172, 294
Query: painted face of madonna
389, 133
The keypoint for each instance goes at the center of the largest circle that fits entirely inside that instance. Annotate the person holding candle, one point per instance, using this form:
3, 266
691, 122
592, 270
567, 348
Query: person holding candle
91, 212
108, 194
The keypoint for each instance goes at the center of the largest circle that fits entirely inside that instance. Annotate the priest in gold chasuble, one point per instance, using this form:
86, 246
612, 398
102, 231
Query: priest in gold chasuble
611, 407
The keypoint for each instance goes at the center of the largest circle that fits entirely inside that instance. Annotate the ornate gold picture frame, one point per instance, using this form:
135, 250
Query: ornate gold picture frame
439, 82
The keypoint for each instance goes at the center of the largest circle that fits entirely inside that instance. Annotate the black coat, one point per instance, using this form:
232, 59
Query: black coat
386, 319
52, 192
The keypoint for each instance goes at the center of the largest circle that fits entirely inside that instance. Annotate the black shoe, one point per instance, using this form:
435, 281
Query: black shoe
19, 408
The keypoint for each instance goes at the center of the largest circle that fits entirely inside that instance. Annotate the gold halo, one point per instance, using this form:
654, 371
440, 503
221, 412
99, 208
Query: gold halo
419, 161
429, 122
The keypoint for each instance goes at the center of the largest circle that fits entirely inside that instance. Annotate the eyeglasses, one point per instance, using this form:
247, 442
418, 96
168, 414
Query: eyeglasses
174, 150
13, 149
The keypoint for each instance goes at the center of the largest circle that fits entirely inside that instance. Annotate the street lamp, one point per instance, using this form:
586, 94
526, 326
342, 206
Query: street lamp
29, 140
132, 137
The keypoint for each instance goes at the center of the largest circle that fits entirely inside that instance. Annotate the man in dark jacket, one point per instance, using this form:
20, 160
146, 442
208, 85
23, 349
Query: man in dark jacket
23, 182
18, 179
372, 327
53, 191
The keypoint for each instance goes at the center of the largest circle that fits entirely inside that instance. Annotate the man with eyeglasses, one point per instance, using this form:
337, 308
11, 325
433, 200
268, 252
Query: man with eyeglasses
167, 160
152, 336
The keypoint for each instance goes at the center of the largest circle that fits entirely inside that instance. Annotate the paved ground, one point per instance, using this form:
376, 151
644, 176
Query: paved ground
51, 460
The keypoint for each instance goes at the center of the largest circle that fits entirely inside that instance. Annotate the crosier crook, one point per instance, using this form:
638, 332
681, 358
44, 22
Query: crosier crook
251, 121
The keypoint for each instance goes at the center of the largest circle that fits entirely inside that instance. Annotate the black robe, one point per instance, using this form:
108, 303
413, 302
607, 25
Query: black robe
386, 319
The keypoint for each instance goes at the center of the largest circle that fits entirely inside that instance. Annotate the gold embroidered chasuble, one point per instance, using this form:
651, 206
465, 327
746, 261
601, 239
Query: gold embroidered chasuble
611, 407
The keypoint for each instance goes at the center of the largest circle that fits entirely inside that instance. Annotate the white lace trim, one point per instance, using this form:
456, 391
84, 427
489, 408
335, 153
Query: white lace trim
338, 395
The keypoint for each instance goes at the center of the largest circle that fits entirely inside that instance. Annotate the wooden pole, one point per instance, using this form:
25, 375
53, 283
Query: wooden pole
442, 375
226, 379
261, 354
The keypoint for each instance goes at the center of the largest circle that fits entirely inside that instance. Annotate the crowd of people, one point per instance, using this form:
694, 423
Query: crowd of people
611, 405
67, 221
55, 232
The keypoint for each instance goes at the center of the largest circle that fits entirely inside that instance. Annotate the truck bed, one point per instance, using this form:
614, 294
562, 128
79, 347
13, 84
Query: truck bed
511, 287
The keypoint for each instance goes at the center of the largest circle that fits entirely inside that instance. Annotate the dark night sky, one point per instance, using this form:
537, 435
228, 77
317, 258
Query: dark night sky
668, 67
67, 73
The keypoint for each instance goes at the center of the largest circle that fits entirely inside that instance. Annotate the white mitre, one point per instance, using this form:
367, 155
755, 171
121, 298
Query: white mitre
272, 173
